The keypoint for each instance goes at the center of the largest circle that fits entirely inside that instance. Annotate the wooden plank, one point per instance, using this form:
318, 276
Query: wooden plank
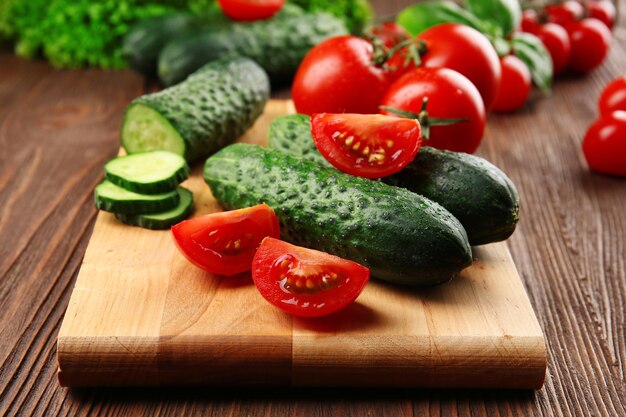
142, 315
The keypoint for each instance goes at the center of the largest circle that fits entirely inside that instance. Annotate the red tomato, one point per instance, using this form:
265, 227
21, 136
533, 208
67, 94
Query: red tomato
603, 10
248, 10
591, 40
366, 145
390, 33
338, 76
613, 97
604, 144
467, 51
556, 40
225, 243
305, 282
515, 86
530, 21
566, 12
450, 96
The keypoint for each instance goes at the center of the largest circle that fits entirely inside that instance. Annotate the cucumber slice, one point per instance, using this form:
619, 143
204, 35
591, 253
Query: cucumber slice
110, 197
145, 129
165, 219
147, 172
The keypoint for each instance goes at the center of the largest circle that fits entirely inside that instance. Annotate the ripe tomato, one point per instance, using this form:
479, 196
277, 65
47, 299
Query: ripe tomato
603, 10
590, 44
515, 85
366, 145
556, 40
390, 33
450, 96
467, 51
248, 10
565, 12
530, 21
305, 282
225, 243
604, 144
613, 97
338, 76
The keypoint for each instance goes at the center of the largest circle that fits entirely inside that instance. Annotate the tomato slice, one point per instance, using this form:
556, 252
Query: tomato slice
366, 145
249, 10
305, 282
225, 243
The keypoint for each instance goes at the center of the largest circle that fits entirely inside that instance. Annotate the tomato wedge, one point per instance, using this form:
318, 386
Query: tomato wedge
249, 10
305, 282
225, 243
366, 145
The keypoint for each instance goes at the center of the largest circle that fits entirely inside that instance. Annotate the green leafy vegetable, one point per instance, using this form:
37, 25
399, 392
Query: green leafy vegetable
421, 16
531, 50
356, 14
500, 16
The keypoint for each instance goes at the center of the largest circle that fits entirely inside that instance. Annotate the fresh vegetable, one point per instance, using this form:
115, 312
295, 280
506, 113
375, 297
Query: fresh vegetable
403, 237
450, 96
110, 197
250, 10
530, 21
389, 33
305, 282
147, 172
204, 113
366, 145
613, 96
565, 12
590, 40
277, 44
356, 14
556, 40
515, 85
165, 219
603, 10
475, 191
534, 54
225, 243
604, 145
338, 76
466, 51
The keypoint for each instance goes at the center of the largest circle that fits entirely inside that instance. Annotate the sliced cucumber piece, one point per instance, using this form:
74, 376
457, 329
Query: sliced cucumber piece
147, 172
146, 129
110, 197
165, 219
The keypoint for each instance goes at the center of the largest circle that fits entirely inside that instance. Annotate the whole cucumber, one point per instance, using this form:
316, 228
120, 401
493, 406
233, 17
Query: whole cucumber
474, 190
403, 237
199, 116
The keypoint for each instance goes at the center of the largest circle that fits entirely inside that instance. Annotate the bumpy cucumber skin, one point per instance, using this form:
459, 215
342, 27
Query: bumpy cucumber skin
214, 106
149, 221
403, 237
474, 190
106, 203
277, 44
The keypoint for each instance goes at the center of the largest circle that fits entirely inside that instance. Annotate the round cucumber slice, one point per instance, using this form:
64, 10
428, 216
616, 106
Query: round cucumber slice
147, 172
165, 219
145, 129
110, 197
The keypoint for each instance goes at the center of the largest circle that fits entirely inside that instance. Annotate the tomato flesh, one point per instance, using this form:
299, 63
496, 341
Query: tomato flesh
225, 243
305, 282
613, 96
370, 146
250, 10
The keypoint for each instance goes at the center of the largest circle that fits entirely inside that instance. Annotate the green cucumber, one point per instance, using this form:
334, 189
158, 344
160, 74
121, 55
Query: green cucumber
401, 236
165, 219
197, 117
474, 190
147, 172
277, 44
110, 197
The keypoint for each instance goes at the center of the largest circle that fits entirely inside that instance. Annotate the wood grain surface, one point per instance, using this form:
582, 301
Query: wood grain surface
57, 128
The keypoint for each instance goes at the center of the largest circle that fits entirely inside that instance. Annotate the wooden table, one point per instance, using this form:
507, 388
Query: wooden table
57, 129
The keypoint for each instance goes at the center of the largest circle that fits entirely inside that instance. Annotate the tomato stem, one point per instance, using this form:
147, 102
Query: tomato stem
412, 49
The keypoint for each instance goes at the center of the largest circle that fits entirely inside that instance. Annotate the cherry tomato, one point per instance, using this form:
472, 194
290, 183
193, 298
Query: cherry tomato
613, 97
450, 96
366, 145
530, 21
249, 10
590, 44
515, 85
225, 243
603, 10
467, 51
305, 282
604, 144
556, 40
566, 12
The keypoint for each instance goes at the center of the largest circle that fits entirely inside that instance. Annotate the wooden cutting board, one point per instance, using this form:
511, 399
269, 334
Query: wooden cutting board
141, 314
